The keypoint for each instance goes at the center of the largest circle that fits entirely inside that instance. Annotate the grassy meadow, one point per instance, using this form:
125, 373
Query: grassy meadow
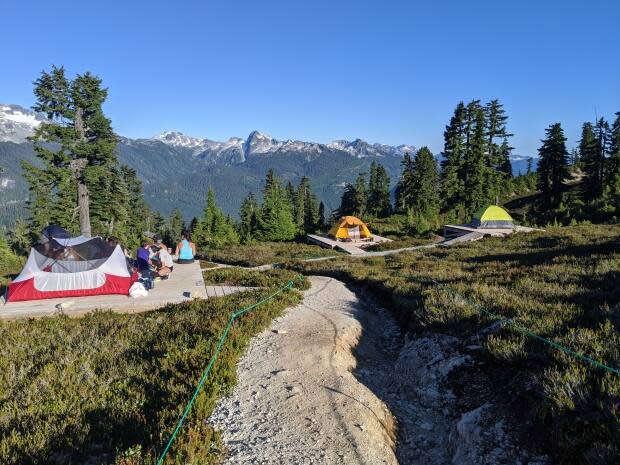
263, 253
109, 388
563, 284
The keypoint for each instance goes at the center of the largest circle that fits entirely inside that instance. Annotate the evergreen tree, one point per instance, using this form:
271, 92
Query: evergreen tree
603, 139
140, 219
477, 189
361, 196
425, 187
8, 260
588, 154
347, 202
372, 189
20, 239
505, 166
271, 181
322, 219
529, 165
552, 169
613, 164
276, 219
499, 154
193, 225
81, 150
452, 165
250, 218
404, 187
379, 203
174, 228
159, 224
308, 204
292, 198
299, 205
215, 229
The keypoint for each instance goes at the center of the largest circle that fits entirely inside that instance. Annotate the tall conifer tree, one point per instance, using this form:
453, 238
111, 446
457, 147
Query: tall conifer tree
404, 187
250, 218
361, 195
83, 150
588, 154
475, 166
452, 165
425, 186
613, 164
348, 201
379, 203
553, 165
276, 219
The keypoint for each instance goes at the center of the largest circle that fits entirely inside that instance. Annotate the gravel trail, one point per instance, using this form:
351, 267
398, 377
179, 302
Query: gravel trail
297, 400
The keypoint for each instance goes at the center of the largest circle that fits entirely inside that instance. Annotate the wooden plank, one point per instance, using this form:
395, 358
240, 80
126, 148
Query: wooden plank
472, 236
322, 241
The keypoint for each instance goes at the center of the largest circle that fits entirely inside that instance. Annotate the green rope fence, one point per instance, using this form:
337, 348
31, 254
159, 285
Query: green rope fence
523, 330
233, 316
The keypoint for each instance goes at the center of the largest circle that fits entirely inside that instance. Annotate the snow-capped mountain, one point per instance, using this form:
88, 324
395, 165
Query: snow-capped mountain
178, 139
17, 123
361, 148
237, 150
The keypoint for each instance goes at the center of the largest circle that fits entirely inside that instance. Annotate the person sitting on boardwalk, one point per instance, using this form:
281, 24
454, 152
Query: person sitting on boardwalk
165, 263
186, 250
143, 257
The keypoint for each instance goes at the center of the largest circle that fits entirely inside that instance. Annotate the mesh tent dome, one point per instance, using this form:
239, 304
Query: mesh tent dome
493, 217
350, 227
72, 267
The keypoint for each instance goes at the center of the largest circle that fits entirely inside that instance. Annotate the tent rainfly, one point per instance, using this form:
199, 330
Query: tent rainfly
350, 228
72, 267
492, 217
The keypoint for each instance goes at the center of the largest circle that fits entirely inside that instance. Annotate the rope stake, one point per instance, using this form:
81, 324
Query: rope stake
233, 316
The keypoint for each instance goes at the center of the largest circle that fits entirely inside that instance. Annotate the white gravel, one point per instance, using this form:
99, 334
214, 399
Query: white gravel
296, 401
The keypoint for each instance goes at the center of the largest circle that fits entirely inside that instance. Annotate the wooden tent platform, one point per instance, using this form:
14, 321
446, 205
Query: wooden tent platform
352, 248
184, 284
466, 233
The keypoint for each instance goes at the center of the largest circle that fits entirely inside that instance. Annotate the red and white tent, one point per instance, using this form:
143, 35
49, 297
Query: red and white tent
72, 267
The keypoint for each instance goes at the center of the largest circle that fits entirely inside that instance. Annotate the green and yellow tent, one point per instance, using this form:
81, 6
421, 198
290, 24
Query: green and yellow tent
493, 217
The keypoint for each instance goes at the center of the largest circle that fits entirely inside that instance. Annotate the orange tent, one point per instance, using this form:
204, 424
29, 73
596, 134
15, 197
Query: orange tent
350, 227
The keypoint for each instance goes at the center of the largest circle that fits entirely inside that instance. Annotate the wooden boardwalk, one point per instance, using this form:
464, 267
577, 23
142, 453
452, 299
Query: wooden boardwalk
184, 284
221, 291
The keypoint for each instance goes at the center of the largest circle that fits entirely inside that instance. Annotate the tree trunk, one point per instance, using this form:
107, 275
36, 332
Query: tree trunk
84, 206
78, 167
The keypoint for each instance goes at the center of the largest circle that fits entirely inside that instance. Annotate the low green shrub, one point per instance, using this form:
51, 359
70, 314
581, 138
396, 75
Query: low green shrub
253, 278
263, 253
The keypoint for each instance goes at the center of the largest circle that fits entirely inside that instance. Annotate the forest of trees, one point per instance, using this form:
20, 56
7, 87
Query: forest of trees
475, 171
81, 186
286, 212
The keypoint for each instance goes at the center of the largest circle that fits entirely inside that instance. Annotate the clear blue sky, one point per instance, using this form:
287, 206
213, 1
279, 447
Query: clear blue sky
385, 71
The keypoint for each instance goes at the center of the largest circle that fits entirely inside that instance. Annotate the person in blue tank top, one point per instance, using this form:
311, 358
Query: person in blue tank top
186, 250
